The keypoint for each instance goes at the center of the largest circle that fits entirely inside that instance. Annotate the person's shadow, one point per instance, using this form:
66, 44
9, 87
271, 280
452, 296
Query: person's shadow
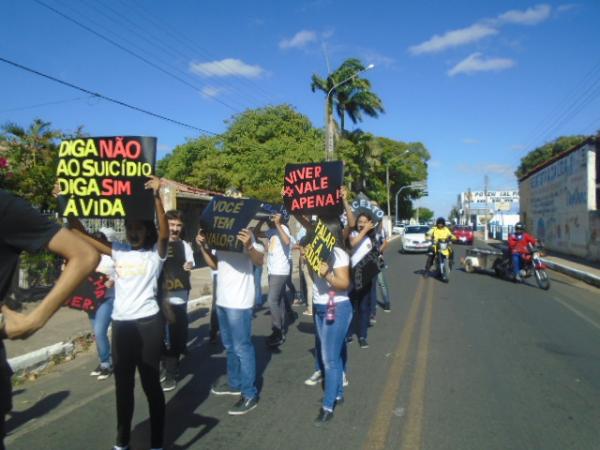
41, 408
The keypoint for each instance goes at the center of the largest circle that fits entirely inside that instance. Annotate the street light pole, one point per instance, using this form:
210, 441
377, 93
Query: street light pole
329, 144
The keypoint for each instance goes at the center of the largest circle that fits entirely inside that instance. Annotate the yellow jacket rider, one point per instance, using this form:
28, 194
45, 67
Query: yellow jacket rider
437, 233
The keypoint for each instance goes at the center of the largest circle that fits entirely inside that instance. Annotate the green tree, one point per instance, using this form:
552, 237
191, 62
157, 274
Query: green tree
353, 98
425, 214
547, 151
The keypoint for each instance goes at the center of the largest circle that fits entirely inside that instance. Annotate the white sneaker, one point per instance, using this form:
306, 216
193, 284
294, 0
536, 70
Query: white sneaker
345, 382
314, 379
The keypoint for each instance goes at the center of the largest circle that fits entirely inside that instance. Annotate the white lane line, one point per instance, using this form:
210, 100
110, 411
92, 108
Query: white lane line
578, 313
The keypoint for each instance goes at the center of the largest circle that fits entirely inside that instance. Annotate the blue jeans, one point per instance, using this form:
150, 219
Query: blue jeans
333, 340
258, 270
516, 260
318, 354
236, 334
100, 321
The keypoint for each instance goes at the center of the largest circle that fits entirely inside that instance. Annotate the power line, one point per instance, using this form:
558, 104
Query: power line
104, 97
39, 105
130, 52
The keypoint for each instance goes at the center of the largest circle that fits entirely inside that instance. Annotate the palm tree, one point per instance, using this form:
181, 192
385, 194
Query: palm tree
353, 97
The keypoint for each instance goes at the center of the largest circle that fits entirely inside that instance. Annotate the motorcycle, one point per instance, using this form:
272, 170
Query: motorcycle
531, 264
443, 262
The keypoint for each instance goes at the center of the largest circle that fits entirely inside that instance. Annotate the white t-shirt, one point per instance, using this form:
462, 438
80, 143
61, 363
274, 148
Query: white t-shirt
107, 267
321, 286
360, 251
136, 281
278, 262
180, 297
235, 272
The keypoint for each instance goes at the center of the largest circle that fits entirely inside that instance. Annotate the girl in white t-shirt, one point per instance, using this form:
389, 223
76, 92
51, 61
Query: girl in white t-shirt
137, 328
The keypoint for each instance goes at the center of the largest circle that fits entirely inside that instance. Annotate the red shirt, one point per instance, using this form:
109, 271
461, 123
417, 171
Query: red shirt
518, 243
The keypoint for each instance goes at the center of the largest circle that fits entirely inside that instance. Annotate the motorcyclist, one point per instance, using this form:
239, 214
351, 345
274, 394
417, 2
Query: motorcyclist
439, 232
518, 244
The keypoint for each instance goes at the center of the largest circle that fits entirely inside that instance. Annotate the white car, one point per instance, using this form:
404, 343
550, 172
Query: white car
398, 229
414, 239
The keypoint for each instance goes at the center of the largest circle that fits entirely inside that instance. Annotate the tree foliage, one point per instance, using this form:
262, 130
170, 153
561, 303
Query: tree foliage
546, 152
425, 214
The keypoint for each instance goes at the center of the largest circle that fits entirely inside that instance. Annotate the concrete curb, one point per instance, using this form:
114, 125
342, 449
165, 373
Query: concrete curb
38, 360
572, 272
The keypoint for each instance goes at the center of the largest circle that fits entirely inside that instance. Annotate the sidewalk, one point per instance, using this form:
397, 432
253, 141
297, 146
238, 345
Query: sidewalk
588, 272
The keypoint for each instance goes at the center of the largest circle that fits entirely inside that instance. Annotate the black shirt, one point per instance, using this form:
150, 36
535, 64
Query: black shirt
21, 228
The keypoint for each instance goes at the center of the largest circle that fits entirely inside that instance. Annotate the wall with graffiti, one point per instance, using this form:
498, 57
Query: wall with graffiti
558, 204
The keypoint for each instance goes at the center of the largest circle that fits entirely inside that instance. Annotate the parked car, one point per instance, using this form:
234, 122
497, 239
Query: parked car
398, 228
464, 234
414, 239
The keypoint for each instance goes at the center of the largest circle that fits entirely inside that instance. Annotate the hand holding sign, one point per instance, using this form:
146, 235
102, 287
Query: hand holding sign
246, 237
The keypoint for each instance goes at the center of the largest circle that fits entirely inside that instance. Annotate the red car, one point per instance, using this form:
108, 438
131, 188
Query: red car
464, 234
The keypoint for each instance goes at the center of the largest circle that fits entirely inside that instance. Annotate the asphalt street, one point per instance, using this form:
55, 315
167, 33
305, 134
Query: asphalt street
478, 363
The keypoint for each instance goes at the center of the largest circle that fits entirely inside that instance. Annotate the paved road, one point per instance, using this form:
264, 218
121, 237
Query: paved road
478, 363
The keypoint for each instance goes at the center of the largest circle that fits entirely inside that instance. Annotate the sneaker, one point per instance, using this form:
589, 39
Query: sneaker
275, 339
169, 384
372, 321
323, 418
243, 406
314, 379
96, 371
307, 312
105, 372
363, 343
339, 401
387, 309
349, 339
345, 381
163, 372
224, 389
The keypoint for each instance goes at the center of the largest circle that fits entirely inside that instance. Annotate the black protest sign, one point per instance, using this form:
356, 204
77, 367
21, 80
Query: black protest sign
366, 269
319, 246
176, 276
90, 294
104, 177
223, 219
362, 205
271, 210
314, 188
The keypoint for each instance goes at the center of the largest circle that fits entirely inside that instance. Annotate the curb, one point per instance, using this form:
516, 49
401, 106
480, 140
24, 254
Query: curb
575, 273
38, 360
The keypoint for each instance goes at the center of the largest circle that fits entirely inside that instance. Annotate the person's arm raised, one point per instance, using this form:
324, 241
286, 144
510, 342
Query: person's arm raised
247, 239
209, 258
285, 238
163, 224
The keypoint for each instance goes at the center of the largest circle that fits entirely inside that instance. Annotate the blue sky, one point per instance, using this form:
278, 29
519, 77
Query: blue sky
479, 83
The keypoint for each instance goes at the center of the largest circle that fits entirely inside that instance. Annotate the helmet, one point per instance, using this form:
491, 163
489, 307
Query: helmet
440, 221
520, 226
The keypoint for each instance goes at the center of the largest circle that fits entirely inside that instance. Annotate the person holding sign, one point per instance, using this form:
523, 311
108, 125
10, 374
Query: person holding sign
332, 317
235, 301
363, 250
137, 328
23, 228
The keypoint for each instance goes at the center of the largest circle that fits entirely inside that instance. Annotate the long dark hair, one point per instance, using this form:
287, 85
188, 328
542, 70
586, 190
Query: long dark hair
369, 217
334, 225
151, 232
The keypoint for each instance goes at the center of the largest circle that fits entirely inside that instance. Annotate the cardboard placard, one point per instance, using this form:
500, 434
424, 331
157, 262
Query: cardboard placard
362, 204
366, 269
314, 188
320, 246
102, 177
223, 219
90, 294
176, 277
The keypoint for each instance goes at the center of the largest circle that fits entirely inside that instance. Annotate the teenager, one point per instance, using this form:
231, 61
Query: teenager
137, 328
179, 263
235, 301
23, 228
361, 243
381, 242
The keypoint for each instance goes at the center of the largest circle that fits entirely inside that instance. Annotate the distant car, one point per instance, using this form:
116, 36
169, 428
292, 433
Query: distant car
398, 229
414, 239
464, 234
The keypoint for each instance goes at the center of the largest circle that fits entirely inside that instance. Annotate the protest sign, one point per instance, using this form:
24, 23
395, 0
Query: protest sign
176, 276
314, 188
90, 294
362, 205
320, 245
223, 219
271, 210
104, 177
366, 269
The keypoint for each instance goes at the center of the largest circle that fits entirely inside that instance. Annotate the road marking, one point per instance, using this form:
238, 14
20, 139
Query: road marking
379, 430
578, 313
412, 435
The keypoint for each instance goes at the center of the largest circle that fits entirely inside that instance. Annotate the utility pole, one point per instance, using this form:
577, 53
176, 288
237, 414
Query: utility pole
387, 184
486, 180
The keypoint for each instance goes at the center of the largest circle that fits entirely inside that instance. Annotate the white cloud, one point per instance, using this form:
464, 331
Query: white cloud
300, 40
211, 91
470, 141
227, 67
530, 16
454, 38
476, 63
566, 7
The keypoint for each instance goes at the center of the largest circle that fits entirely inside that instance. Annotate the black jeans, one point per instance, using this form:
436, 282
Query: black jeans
176, 342
361, 305
138, 344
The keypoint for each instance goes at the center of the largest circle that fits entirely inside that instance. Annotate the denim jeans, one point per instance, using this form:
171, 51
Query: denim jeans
100, 321
361, 302
333, 339
516, 260
236, 335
